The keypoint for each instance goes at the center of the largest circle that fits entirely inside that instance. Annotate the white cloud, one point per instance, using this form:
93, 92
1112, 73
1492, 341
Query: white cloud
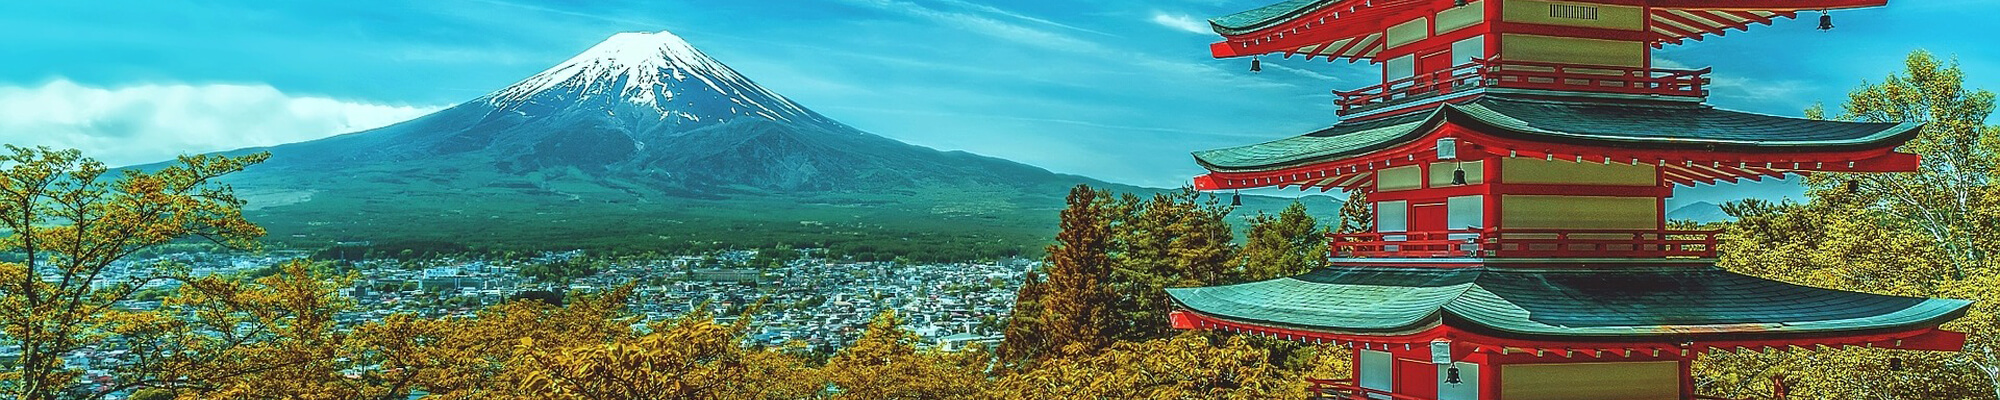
155, 122
1182, 22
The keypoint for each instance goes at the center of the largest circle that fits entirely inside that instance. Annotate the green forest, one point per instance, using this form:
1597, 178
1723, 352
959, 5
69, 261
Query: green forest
1091, 324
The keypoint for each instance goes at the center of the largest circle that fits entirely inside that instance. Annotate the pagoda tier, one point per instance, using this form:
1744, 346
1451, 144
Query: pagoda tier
1553, 332
1660, 303
1688, 143
1369, 29
1432, 49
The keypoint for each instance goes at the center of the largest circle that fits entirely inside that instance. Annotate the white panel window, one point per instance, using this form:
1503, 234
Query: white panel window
1378, 370
1392, 216
1400, 67
1466, 212
1466, 389
1464, 51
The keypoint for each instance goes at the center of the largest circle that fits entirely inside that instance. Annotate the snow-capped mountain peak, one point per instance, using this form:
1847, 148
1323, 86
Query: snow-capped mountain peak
656, 70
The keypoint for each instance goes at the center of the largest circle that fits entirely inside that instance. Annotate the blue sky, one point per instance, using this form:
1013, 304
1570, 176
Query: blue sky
1115, 89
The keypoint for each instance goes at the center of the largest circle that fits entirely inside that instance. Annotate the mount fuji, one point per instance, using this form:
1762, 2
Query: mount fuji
640, 143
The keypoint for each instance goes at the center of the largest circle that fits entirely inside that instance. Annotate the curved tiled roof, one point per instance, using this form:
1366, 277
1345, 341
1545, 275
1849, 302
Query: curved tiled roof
1612, 303
1607, 124
1266, 16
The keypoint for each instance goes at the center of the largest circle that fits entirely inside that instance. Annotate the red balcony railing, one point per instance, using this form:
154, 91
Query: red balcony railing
1527, 243
1344, 389
1527, 75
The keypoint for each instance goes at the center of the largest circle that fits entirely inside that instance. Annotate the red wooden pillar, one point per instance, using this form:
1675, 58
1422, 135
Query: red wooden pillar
1489, 379
1687, 377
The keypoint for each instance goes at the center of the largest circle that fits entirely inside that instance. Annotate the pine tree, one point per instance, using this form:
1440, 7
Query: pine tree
1287, 244
1025, 336
1174, 239
1076, 309
1356, 215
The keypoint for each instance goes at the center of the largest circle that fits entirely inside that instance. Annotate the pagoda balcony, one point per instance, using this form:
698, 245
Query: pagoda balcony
1527, 243
1483, 74
1345, 389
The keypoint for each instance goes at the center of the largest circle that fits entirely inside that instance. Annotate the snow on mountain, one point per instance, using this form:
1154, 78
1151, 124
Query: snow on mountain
657, 71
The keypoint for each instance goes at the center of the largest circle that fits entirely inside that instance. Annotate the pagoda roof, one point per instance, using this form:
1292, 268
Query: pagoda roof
1266, 16
1623, 303
1300, 26
1661, 125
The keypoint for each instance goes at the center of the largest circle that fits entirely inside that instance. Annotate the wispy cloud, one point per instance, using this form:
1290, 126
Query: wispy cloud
155, 122
1182, 22
1761, 91
1304, 72
980, 24
1015, 15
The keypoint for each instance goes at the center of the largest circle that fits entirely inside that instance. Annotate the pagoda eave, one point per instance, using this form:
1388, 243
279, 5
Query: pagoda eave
1352, 29
1607, 303
1924, 339
1716, 146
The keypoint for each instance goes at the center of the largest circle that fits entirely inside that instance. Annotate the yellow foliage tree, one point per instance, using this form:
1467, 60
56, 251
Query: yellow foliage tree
884, 364
1930, 233
69, 224
1189, 366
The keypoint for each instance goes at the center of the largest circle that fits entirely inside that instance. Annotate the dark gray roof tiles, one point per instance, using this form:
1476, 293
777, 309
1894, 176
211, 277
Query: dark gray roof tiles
1611, 303
1628, 125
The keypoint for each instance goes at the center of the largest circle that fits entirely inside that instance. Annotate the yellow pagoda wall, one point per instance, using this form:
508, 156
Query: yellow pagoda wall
1655, 380
1573, 212
1573, 50
1521, 170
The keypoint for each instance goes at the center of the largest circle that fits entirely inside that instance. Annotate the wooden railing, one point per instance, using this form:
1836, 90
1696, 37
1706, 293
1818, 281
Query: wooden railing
1446, 81
1527, 75
1345, 389
1527, 243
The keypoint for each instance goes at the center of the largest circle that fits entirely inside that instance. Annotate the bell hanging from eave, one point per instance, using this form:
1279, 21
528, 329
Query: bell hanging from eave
1451, 376
1458, 176
1236, 199
1825, 21
1256, 65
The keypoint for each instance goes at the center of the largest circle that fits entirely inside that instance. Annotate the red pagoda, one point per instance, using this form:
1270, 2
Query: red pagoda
1518, 156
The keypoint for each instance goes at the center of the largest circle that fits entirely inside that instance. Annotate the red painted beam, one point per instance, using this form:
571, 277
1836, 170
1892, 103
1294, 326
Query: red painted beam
1571, 31
1705, 27
1748, 4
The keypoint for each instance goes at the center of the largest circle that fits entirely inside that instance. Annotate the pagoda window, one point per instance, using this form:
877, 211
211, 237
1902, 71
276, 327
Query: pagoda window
1466, 213
1399, 178
1392, 216
1377, 370
1399, 68
1464, 51
1457, 18
1546, 212
1658, 380
1559, 13
1564, 172
1415, 30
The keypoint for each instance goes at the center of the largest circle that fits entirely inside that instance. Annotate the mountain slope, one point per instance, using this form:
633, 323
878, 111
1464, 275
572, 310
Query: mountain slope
1700, 212
643, 143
